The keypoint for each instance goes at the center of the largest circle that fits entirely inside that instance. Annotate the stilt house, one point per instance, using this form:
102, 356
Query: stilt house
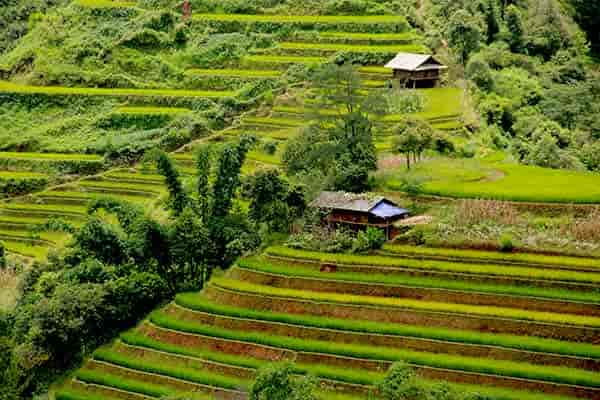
359, 211
416, 70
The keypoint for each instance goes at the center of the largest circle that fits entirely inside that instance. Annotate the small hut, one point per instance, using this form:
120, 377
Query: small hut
359, 211
416, 70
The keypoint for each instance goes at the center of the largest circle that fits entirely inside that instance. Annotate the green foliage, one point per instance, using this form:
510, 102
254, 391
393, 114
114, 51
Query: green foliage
506, 243
340, 145
2, 256
369, 239
412, 137
277, 382
177, 196
401, 383
273, 201
190, 250
514, 25
464, 35
100, 240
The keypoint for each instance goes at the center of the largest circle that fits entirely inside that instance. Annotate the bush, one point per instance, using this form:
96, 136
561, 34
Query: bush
411, 185
506, 243
277, 382
370, 239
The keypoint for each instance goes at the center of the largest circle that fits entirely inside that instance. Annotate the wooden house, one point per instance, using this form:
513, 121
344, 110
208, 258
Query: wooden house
416, 70
359, 211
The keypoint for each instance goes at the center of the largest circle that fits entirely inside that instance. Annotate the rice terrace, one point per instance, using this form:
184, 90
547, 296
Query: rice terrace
299, 200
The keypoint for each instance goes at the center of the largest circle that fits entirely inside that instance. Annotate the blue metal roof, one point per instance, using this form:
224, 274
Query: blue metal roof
387, 210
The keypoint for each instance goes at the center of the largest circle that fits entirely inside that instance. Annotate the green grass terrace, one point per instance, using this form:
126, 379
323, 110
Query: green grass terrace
487, 178
9, 87
302, 19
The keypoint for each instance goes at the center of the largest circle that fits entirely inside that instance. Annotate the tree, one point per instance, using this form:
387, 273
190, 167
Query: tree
340, 144
464, 35
202, 181
212, 223
545, 152
191, 249
479, 71
177, 196
489, 10
2, 256
514, 24
587, 14
101, 241
269, 194
412, 137
277, 382
402, 383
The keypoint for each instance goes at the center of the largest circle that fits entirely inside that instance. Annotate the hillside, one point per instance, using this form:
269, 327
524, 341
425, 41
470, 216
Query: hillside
156, 170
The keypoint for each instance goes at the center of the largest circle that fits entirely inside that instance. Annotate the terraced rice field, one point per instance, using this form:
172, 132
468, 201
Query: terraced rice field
9, 87
302, 19
484, 178
480, 330
236, 73
351, 48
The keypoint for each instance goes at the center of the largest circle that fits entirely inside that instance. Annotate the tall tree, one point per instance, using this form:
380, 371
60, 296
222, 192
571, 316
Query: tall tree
464, 35
342, 138
587, 14
514, 24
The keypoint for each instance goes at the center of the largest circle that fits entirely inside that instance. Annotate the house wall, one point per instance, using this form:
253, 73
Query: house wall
417, 79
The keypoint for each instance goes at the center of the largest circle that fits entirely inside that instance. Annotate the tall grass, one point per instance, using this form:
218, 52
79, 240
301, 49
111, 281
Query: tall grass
195, 302
470, 268
281, 268
473, 310
468, 364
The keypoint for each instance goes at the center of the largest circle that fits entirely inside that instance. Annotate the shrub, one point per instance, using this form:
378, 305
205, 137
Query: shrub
506, 243
277, 382
411, 185
370, 239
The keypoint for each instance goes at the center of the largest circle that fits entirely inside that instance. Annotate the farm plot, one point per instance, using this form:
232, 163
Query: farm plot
504, 181
235, 22
9, 87
329, 48
525, 343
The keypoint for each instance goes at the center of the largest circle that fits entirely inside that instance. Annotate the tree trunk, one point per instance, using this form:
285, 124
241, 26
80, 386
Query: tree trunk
408, 161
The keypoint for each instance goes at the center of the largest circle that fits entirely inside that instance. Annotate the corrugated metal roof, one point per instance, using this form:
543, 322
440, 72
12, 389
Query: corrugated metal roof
346, 201
387, 210
413, 62
376, 205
